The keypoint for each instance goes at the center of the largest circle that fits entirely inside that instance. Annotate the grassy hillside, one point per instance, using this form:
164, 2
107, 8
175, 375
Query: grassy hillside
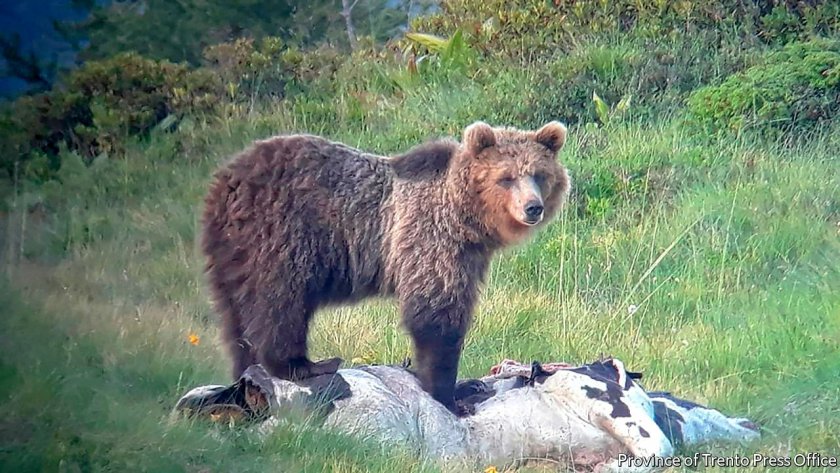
707, 257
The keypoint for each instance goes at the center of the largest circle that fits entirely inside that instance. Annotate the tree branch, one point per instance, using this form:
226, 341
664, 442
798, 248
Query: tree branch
346, 12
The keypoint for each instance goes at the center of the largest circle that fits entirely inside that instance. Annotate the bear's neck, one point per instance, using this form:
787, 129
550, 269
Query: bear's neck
465, 219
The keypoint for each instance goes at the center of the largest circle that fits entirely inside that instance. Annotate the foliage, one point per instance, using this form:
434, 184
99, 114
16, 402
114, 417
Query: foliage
452, 53
530, 29
113, 27
265, 69
313, 71
656, 74
796, 87
99, 107
603, 111
134, 25
242, 60
102, 103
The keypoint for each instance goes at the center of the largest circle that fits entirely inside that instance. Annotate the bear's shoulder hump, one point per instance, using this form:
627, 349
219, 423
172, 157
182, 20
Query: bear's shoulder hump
427, 161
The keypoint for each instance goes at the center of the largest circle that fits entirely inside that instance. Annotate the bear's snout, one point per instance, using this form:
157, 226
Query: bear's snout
534, 212
527, 202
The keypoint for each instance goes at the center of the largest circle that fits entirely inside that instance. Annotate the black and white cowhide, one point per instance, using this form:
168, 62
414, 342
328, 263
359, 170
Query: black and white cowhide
580, 416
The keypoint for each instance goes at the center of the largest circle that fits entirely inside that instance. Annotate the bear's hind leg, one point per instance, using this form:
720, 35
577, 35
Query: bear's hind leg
298, 368
283, 345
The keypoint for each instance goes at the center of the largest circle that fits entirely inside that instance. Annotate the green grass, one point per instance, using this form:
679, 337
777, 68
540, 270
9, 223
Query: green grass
728, 249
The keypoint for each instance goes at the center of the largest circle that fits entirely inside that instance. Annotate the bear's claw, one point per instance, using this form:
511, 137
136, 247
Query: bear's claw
301, 369
327, 366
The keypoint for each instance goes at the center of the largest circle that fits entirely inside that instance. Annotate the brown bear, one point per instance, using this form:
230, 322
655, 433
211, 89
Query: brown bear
297, 222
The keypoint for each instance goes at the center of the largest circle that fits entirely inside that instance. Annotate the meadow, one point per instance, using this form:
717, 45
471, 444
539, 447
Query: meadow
709, 260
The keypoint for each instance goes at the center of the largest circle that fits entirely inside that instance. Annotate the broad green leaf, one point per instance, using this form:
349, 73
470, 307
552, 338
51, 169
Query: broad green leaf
624, 104
601, 109
434, 43
454, 47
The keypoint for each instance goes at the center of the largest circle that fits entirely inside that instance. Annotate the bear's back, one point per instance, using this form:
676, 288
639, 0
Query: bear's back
312, 206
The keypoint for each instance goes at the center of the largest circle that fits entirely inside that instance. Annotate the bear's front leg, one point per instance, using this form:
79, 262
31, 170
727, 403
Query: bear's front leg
437, 331
436, 365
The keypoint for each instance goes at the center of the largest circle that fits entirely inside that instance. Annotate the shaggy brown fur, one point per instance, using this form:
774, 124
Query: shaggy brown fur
298, 222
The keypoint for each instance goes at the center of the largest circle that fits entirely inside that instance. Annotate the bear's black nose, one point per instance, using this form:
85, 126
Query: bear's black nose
533, 210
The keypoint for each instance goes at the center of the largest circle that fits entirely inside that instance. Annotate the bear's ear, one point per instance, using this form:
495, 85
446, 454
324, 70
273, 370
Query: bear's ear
478, 137
552, 136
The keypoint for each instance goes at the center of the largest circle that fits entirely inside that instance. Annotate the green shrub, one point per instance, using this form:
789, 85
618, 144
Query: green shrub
98, 106
269, 69
101, 104
785, 20
529, 29
244, 67
372, 72
658, 75
795, 87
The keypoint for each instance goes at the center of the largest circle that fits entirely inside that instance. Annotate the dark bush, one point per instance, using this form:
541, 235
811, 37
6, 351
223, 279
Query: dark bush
99, 105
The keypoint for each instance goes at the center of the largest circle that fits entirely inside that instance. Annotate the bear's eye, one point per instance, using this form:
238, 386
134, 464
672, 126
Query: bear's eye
540, 179
506, 181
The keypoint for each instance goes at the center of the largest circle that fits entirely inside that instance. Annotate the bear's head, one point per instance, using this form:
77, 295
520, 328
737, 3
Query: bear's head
512, 178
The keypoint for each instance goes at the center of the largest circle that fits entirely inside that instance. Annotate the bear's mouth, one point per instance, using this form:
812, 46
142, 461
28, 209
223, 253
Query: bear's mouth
530, 221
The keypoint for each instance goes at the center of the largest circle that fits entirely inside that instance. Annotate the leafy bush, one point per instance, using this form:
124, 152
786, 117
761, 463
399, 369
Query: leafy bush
528, 29
658, 75
244, 67
99, 105
785, 20
266, 69
796, 87
310, 69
